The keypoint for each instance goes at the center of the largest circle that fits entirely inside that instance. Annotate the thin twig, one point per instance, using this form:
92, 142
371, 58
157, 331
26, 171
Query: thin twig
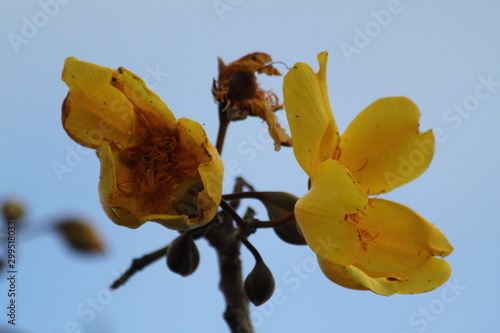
138, 264
248, 195
259, 196
252, 249
273, 223
233, 214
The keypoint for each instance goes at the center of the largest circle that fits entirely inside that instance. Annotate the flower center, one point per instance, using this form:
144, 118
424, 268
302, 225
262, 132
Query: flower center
157, 167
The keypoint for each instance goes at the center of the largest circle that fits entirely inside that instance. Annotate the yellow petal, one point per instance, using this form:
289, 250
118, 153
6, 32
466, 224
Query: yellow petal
396, 240
354, 278
140, 96
314, 132
94, 110
119, 209
426, 277
382, 147
321, 213
211, 172
195, 130
212, 175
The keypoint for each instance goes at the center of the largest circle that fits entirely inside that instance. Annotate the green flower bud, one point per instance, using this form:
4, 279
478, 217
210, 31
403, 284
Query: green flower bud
183, 256
259, 284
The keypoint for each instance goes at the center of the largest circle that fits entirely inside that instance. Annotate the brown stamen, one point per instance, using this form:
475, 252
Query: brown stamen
157, 166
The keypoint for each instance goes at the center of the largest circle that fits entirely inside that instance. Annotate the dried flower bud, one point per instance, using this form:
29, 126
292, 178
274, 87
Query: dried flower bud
259, 284
279, 204
239, 95
80, 236
183, 256
12, 209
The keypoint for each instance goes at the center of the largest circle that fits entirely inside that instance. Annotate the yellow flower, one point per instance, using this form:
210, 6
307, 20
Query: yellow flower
362, 242
153, 166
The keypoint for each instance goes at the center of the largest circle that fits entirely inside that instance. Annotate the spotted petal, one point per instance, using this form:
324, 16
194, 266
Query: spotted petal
141, 97
94, 110
321, 213
396, 240
314, 131
354, 278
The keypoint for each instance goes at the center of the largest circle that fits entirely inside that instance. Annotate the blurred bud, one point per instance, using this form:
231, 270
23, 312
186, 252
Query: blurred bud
12, 209
279, 204
259, 284
80, 236
183, 256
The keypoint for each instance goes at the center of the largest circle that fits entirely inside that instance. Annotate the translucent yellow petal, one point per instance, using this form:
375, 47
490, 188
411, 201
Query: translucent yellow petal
119, 209
321, 213
382, 147
139, 95
426, 277
314, 132
211, 172
396, 240
195, 130
354, 278
212, 175
94, 110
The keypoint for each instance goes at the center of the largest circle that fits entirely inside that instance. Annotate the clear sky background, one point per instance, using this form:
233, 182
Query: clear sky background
438, 53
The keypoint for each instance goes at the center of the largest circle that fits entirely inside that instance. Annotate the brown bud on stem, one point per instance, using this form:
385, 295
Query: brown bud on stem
259, 284
183, 256
279, 204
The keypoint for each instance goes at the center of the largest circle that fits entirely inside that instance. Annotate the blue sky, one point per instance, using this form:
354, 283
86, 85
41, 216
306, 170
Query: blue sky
442, 55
